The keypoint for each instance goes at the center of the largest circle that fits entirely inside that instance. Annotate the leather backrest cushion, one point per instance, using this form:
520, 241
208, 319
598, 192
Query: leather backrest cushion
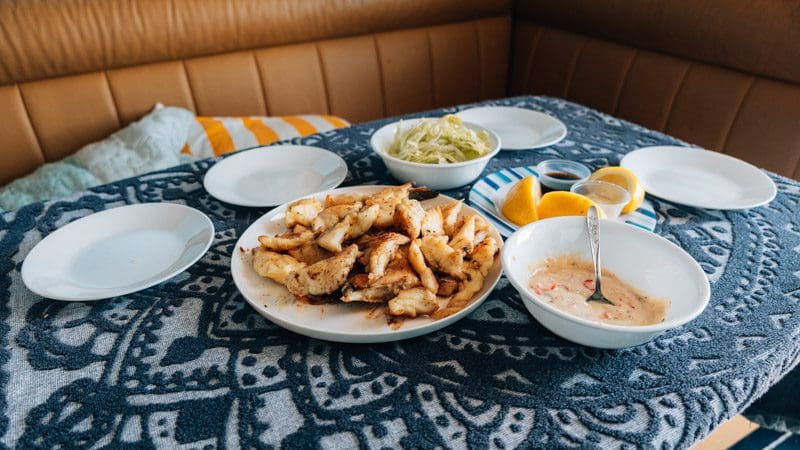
758, 37
746, 115
45, 39
359, 78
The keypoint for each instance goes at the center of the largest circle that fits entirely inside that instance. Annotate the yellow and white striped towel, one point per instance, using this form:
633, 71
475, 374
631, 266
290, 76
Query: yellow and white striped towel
211, 136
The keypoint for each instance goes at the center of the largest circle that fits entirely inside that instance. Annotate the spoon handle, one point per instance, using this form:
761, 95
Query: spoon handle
593, 226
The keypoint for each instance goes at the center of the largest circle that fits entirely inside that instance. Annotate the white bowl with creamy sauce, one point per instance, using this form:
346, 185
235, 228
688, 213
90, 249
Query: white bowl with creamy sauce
653, 266
435, 176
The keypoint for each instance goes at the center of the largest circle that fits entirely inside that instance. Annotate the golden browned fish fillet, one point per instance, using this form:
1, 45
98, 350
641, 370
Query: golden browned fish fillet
323, 277
408, 217
302, 212
286, 241
274, 266
413, 302
417, 260
433, 222
331, 215
382, 250
441, 256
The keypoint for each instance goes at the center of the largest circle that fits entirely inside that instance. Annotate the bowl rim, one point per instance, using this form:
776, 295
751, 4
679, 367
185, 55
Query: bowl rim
705, 295
380, 152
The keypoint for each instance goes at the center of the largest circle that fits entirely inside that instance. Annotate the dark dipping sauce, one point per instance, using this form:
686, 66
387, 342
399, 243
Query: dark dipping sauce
557, 176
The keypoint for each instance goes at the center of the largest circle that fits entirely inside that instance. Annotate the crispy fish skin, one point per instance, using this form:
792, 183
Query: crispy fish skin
441, 256
309, 253
302, 212
417, 260
331, 215
413, 302
468, 287
274, 266
382, 252
450, 215
408, 216
433, 222
323, 277
286, 241
464, 238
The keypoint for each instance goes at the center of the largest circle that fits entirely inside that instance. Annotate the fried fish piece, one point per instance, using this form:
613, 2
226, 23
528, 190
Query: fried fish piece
399, 275
441, 256
482, 258
344, 199
417, 260
464, 238
482, 229
302, 212
351, 227
388, 199
382, 250
413, 302
323, 277
447, 286
468, 287
408, 217
309, 253
367, 295
450, 215
286, 241
274, 266
331, 215
433, 222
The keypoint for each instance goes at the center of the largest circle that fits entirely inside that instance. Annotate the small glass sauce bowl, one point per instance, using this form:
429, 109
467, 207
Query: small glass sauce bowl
561, 174
608, 196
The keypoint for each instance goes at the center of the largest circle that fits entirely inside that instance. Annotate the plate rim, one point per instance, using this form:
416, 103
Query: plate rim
350, 337
561, 136
220, 165
701, 205
131, 289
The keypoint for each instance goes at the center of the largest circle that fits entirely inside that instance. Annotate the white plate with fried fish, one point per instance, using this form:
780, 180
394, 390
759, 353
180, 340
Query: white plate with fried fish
368, 264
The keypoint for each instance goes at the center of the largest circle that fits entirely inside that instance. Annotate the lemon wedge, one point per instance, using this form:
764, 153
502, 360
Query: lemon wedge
563, 203
625, 179
522, 201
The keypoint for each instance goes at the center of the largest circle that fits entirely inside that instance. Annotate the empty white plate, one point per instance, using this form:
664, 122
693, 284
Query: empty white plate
700, 178
117, 251
518, 128
339, 322
270, 176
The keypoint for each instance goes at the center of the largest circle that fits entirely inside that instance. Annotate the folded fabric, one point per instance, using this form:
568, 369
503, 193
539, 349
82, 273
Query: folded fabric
166, 137
210, 136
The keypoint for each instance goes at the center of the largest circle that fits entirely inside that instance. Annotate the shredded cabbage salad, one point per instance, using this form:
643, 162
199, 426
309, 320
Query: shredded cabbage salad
439, 141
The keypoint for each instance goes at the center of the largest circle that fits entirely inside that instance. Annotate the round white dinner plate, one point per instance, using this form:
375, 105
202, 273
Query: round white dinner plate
117, 251
270, 176
339, 322
488, 194
700, 178
518, 128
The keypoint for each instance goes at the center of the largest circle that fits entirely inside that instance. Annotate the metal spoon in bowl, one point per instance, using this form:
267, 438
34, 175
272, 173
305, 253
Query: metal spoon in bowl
593, 226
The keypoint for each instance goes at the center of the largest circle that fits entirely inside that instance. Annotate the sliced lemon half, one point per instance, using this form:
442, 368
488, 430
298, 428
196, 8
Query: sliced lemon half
563, 203
522, 201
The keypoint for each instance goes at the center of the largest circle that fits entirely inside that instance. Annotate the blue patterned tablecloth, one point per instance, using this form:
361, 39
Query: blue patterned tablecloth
188, 363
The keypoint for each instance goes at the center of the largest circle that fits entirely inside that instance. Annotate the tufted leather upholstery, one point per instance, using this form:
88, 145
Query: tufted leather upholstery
723, 75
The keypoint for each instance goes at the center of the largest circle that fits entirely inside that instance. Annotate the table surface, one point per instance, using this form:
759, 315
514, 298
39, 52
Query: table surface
188, 362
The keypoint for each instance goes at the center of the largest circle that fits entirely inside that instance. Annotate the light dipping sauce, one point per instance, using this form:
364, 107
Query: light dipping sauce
565, 282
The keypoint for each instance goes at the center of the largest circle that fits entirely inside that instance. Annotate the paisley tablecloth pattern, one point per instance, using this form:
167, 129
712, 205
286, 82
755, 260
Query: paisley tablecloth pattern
188, 364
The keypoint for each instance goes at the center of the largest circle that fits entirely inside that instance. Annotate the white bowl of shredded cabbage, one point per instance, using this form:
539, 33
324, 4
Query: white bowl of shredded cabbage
437, 152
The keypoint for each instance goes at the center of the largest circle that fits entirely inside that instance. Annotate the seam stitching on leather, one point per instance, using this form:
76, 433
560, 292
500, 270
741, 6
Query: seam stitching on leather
574, 65
113, 99
624, 80
671, 105
724, 145
30, 122
324, 79
526, 86
430, 59
380, 72
476, 30
261, 84
189, 83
